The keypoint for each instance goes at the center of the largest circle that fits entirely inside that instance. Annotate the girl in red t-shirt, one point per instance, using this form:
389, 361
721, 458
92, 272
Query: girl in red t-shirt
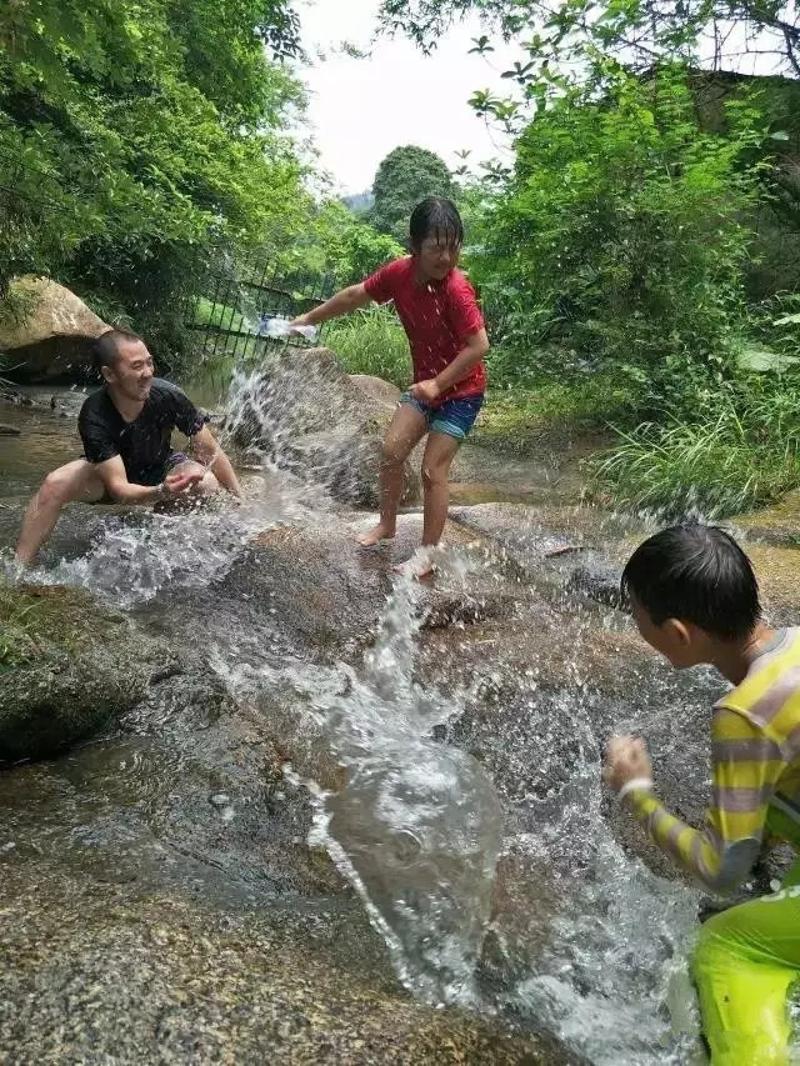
446, 332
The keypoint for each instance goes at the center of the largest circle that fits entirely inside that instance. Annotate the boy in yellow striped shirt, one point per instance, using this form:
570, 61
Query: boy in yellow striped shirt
694, 598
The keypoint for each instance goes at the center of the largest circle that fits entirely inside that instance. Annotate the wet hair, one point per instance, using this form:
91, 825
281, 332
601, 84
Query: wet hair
436, 217
106, 347
697, 574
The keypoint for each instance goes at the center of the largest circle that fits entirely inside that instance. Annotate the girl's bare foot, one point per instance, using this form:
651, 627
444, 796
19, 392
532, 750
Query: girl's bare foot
375, 535
419, 567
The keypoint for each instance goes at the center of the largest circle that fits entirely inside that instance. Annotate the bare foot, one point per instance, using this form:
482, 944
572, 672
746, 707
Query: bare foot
419, 567
375, 535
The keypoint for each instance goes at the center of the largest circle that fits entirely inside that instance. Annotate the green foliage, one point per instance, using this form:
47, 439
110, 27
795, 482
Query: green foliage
344, 247
18, 631
620, 241
136, 138
556, 39
518, 419
372, 341
406, 176
744, 453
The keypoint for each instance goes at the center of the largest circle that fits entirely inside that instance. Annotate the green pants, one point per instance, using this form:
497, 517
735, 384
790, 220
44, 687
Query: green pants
745, 961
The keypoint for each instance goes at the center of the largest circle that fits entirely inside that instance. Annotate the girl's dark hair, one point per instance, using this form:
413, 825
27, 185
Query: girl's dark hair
697, 574
105, 348
436, 217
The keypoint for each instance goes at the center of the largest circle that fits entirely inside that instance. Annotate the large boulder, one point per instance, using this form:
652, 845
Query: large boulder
303, 412
50, 337
68, 667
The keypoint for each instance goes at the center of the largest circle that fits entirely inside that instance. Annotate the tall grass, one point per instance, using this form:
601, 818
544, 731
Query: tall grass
372, 341
745, 454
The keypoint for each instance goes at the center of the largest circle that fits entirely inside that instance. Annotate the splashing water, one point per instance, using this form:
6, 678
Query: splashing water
283, 417
496, 884
416, 825
533, 910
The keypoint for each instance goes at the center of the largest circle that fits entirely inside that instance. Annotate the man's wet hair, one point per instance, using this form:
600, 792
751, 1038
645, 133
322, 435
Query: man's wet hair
106, 347
436, 217
698, 574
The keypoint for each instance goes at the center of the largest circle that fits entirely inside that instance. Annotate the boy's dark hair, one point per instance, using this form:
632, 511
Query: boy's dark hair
436, 217
697, 574
105, 348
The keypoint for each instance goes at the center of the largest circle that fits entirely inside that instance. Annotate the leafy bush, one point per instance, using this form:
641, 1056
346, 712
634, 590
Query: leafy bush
372, 341
620, 240
746, 454
136, 138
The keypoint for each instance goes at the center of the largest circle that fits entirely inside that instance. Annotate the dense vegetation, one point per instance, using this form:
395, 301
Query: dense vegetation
638, 254
642, 250
142, 142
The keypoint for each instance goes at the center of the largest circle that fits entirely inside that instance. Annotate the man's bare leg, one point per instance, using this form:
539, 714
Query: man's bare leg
76, 481
405, 431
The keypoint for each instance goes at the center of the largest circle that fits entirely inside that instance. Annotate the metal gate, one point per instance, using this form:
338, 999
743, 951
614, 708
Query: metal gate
237, 302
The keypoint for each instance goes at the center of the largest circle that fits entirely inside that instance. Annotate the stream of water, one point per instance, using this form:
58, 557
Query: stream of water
464, 807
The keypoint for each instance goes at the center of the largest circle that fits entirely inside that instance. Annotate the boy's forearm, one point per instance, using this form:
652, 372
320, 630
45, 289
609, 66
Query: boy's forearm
717, 864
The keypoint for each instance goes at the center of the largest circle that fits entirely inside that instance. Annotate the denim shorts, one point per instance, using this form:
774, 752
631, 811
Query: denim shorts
454, 417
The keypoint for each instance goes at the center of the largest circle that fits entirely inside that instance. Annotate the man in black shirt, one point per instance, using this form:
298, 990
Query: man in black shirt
126, 429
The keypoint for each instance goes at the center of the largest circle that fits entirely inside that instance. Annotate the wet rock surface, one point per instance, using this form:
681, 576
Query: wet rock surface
113, 975
161, 897
69, 667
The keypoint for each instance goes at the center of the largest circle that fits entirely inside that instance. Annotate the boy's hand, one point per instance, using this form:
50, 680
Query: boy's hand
297, 323
426, 391
626, 759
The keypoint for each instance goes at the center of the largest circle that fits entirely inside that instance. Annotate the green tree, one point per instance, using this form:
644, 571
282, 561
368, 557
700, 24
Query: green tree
138, 135
554, 34
406, 176
339, 246
622, 238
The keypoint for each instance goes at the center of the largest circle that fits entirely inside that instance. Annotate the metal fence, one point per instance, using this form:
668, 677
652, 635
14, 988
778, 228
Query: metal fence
237, 300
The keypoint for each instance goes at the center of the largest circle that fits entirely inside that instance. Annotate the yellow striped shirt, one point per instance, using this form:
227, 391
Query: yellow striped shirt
755, 735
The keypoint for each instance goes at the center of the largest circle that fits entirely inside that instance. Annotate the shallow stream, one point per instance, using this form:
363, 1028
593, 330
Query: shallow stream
342, 747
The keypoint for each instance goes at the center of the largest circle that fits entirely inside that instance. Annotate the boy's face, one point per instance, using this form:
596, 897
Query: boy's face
438, 256
681, 643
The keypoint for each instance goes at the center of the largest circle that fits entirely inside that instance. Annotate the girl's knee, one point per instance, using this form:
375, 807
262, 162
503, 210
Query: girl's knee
394, 453
435, 475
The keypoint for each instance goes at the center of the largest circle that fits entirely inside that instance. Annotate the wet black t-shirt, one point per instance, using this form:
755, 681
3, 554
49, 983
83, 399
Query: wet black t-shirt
144, 444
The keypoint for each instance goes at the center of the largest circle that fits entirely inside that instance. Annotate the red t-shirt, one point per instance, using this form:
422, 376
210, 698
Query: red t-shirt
437, 317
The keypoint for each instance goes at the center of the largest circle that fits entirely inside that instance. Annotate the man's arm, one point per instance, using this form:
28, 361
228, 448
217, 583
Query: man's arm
745, 766
476, 347
345, 301
208, 451
112, 474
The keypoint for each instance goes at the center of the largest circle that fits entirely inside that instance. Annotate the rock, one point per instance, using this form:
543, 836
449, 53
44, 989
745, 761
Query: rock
52, 340
68, 667
9, 431
378, 389
103, 975
306, 414
600, 582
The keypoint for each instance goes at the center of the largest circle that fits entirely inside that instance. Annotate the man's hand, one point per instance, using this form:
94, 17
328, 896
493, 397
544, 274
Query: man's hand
299, 322
626, 759
177, 484
426, 391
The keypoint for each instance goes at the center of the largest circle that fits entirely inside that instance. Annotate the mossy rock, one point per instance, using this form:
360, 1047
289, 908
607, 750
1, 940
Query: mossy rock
68, 666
